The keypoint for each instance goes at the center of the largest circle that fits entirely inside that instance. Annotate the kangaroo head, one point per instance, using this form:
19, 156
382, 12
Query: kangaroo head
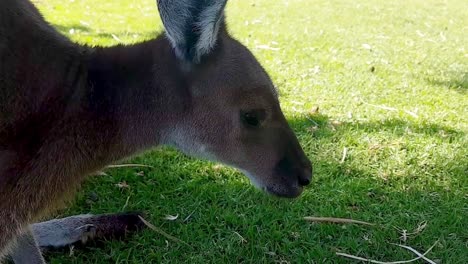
234, 116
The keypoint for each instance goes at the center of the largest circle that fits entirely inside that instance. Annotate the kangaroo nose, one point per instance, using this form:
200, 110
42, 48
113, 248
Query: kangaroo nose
305, 175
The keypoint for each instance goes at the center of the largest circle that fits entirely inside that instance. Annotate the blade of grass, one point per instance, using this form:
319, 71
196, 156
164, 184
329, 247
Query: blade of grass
160, 231
335, 220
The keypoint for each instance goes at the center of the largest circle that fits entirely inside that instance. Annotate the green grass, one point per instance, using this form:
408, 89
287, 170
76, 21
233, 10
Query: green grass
391, 81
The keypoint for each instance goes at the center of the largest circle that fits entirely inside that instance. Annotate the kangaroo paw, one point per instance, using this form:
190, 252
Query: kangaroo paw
84, 228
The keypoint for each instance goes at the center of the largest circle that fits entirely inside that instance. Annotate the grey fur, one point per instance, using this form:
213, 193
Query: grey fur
65, 231
26, 250
192, 26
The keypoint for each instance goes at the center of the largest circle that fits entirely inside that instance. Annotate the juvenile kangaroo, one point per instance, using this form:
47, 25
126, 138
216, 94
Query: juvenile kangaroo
68, 110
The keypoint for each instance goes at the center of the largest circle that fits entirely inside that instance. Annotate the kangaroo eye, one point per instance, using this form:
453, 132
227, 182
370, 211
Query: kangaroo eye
253, 118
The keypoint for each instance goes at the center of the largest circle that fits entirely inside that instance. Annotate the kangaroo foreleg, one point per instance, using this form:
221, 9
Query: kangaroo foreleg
82, 228
70, 230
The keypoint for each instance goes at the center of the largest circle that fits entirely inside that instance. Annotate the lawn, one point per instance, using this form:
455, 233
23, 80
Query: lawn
390, 81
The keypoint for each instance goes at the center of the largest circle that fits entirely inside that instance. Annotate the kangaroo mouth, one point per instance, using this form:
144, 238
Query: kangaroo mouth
279, 190
291, 192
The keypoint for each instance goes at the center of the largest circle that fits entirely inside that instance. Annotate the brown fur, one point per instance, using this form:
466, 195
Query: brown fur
68, 110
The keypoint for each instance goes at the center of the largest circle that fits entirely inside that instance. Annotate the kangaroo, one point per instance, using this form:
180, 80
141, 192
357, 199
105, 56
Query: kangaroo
68, 110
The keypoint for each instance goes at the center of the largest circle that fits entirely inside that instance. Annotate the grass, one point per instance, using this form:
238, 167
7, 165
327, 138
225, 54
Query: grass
390, 78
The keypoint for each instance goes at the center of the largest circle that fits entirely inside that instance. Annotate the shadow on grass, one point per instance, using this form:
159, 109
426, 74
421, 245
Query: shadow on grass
458, 83
313, 132
324, 127
215, 203
397, 134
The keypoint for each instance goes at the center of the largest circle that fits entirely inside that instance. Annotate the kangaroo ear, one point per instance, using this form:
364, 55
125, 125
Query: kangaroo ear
192, 26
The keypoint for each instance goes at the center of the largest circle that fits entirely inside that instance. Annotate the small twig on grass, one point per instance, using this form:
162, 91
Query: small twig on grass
420, 256
116, 38
160, 231
266, 47
128, 165
413, 114
345, 151
336, 220
382, 107
417, 253
388, 108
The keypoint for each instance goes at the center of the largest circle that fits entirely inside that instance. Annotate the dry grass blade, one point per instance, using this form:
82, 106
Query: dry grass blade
126, 204
345, 152
420, 256
171, 217
158, 230
384, 107
388, 108
188, 217
266, 47
116, 38
336, 220
72, 251
123, 185
128, 165
413, 114
243, 240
